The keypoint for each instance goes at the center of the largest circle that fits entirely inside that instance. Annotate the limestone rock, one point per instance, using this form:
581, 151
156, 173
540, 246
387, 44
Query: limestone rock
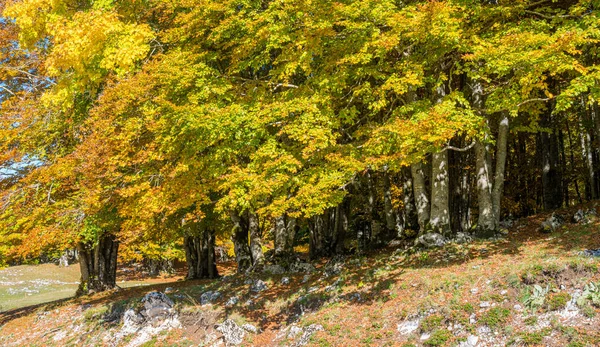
258, 286
274, 269
232, 333
551, 224
431, 240
209, 297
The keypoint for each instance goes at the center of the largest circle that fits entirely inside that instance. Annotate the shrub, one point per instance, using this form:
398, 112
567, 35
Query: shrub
557, 301
535, 297
432, 322
438, 338
495, 317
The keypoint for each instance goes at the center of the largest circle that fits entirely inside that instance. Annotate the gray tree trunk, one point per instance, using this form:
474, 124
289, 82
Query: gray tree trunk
317, 226
258, 258
340, 226
440, 192
285, 233
420, 196
486, 225
390, 215
280, 235
243, 256
551, 171
200, 255
98, 265
410, 219
291, 228
501, 153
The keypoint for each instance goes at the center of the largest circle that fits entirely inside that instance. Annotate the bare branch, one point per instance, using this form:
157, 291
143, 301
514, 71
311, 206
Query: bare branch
533, 100
452, 148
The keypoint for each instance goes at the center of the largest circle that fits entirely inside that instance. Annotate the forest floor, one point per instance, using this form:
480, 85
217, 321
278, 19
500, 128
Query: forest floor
526, 289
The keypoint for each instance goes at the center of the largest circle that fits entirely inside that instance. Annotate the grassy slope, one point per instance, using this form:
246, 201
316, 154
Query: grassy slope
374, 294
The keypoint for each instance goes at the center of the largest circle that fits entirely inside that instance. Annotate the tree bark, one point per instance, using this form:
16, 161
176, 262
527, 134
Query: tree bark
486, 225
440, 216
420, 195
258, 258
551, 173
341, 225
410, 219
98, 265
285, 234
280, 236
390, 215
243, 256
200, 255
317, 237
501, 154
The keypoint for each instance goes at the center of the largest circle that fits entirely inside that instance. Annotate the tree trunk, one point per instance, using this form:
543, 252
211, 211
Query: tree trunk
243, 256
341, 225
371, 233
440, 216
551, 173
200, 255
317, 237
98, 265
572, 156
280, 236
285, 234
501, 154
291, 229
258, 258
420, 195
410, 219
486, 226
390, 215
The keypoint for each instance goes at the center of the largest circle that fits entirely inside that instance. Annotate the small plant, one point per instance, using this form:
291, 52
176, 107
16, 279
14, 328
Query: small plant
591, 292
529, 276
495, 317
531, 320
588, 311
438, 338
530, 339
536, 297
431, 323
557, 301
95, 313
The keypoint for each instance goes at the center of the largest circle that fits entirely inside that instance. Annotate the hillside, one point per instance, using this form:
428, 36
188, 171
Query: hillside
527, 289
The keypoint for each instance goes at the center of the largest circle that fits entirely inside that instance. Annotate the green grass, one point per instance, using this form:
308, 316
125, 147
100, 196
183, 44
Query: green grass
431, 322
27, 285
495, 317
438, 338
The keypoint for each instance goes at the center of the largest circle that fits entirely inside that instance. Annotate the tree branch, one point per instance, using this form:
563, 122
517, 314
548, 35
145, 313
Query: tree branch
533, 100
452, 148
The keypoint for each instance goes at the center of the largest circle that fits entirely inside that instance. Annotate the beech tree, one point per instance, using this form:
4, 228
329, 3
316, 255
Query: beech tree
190, 122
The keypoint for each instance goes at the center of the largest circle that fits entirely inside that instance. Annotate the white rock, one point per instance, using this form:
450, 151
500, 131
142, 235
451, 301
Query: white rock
232, 301
209, 297
232, 333
471, 341
250, 328
409, 326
